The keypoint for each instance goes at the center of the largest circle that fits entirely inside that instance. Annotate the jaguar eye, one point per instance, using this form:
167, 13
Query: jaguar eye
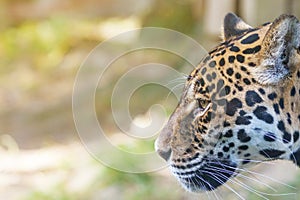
203, 103
204, 106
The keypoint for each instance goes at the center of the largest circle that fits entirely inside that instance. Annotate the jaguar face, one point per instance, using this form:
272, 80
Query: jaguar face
239, 107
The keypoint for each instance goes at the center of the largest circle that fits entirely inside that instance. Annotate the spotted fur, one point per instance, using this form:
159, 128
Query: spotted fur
241, 104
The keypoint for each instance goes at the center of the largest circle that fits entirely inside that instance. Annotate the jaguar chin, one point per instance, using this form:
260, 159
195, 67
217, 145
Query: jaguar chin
207, 177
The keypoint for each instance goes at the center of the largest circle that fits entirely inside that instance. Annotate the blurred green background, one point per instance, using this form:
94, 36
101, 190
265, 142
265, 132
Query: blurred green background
42, 45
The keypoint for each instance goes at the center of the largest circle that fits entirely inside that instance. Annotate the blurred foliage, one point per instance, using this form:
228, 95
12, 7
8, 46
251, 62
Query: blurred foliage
42, 44
137, 186
175, 15
139, 146
56, 193
126, 186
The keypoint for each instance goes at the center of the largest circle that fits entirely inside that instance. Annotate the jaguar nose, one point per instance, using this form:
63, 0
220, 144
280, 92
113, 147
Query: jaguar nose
165, 154
162, 150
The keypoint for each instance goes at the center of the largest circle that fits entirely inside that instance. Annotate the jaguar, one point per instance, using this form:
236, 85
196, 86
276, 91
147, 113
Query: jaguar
239, 107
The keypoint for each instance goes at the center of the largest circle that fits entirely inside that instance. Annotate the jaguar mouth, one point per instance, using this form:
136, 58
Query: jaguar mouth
208, 177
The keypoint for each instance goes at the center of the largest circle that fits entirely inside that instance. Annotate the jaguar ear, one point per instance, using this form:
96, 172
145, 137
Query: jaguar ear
233, 26
278, 57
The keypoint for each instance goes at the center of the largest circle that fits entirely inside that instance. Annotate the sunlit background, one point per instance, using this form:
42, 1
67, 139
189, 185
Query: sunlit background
42, 45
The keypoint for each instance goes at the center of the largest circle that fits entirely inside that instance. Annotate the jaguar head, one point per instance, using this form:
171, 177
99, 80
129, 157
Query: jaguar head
239, 106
